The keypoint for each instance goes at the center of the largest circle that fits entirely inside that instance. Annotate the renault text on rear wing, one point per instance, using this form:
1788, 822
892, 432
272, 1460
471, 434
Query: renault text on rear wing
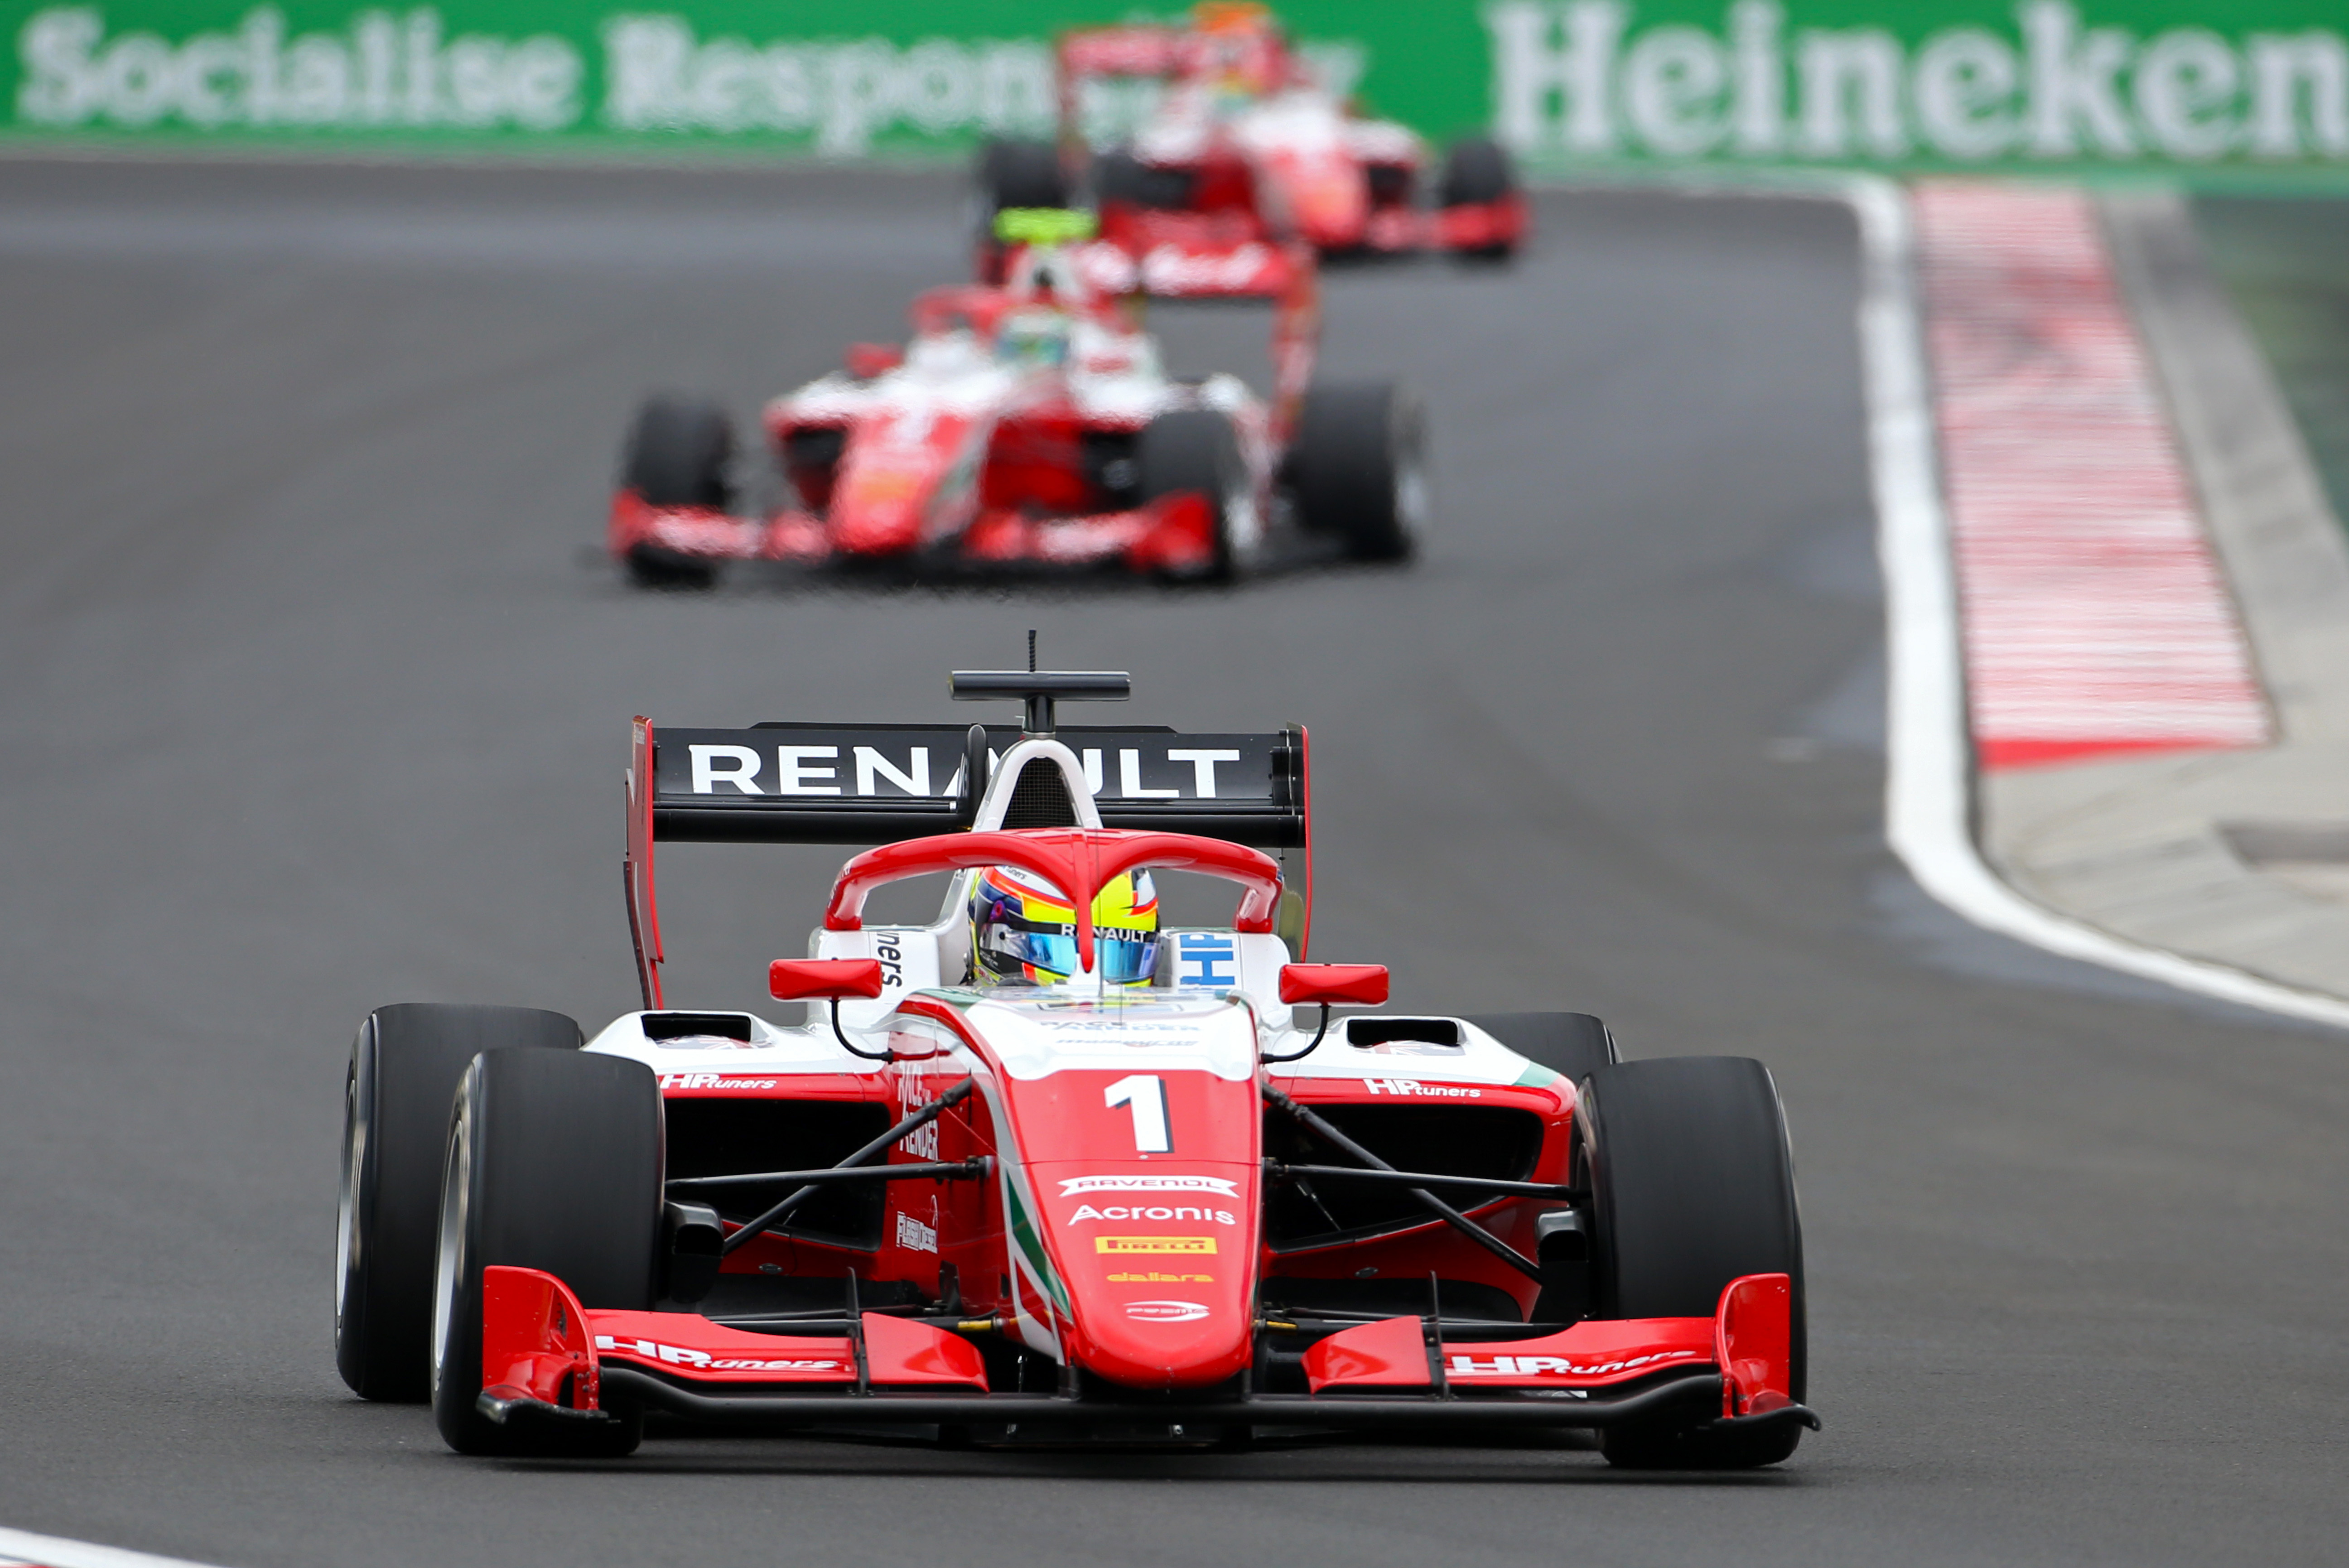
873, 783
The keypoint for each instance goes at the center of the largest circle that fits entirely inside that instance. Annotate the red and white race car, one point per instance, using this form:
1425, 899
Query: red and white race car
1176, 1210
1243, 156
1033, 425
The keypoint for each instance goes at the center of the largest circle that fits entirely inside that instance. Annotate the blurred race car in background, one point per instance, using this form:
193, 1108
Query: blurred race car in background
1243, 153
1149, 1196
1033, 425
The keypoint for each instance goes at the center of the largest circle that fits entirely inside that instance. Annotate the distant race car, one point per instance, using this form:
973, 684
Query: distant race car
1243, 155
1154, 1195
1033, 425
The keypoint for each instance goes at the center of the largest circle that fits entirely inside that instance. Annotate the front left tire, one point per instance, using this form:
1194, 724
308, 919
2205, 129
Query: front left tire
1197, 451
554, 1162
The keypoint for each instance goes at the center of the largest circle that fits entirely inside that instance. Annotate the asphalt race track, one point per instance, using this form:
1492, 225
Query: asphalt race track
317, 698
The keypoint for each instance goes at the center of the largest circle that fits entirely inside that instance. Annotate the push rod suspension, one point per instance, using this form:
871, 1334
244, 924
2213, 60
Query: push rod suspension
912, 1124
1422, 1178
1448, 1214
929, 1170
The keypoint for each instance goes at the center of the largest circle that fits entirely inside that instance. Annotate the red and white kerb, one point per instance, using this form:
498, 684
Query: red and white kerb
2095, 619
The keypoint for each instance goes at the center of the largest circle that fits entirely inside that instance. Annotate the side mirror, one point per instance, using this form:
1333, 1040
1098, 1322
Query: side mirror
866, 360
1364, 984
809, 979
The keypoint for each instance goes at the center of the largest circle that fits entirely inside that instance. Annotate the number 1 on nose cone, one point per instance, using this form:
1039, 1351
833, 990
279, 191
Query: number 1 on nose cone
1146, 1094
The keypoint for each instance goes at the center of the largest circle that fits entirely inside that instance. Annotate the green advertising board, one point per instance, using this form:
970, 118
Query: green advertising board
2071, 85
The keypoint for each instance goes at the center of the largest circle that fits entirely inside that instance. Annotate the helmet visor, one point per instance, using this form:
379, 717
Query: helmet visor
1122, 957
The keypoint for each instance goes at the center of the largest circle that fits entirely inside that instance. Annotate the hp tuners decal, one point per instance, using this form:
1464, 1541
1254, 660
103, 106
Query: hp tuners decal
1208, 960
701, 1360
1464, 1365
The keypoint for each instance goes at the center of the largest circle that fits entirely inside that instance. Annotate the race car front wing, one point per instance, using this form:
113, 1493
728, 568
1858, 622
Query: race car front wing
552, 1366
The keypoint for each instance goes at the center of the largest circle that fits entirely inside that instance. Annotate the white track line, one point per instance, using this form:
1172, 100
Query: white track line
1929, 776
21, 1549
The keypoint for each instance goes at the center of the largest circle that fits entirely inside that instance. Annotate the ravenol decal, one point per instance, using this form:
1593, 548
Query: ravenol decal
1184, 1244
1073, 1185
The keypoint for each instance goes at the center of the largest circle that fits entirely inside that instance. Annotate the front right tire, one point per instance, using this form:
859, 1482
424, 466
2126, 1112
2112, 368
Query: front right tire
1692, 1186
678, 455
405, 1066
554, 1162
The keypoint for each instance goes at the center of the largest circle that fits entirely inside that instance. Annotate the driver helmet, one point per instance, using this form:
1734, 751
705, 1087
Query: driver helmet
1033, 338
1023, 930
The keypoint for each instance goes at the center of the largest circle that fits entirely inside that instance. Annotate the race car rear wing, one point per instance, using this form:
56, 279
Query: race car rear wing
792, 783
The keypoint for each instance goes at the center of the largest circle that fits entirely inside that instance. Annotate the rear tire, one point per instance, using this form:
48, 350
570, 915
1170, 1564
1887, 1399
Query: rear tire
1119, 176
1014, 174
678, 455
1021, 174
1692, 1186
1358, 470
1197, 451
1572, 1044
554, 1162
1478, 170
404, 1069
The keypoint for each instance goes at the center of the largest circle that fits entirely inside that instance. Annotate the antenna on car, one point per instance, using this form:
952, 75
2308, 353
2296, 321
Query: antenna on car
1039, 688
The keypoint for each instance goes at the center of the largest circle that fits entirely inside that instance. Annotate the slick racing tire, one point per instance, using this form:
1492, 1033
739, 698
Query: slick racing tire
1014, 174
1357, 469
554, 1162
404, 1069
678, 454
1197, 451
1478, 171
1119, 176
1572, 1044
1692, 1186
1021, 174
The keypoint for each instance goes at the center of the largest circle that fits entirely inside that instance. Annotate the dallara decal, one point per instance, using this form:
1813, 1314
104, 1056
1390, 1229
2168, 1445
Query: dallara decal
1153, 1243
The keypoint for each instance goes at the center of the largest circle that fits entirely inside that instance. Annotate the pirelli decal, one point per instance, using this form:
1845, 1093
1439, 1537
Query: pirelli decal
1131, 1244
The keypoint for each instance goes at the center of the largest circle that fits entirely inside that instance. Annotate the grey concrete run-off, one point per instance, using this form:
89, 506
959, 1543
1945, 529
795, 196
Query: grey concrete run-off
2237, 858
312, 705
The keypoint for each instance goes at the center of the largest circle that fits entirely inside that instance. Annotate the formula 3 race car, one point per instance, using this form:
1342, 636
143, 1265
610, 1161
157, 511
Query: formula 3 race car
1034, 426
1183, 1211
1243, 156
